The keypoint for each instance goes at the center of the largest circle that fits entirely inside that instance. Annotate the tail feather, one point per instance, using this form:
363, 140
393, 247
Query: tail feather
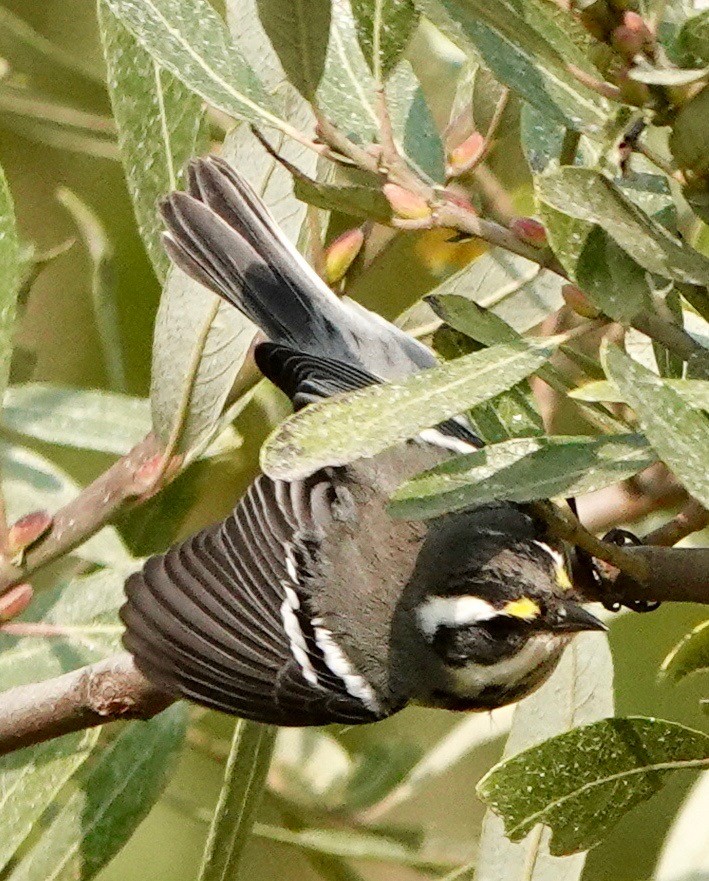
221, 234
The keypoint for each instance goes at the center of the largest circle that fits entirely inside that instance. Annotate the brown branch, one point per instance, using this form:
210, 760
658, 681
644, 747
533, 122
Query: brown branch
107, 691
675, 575
691, 518
92, 509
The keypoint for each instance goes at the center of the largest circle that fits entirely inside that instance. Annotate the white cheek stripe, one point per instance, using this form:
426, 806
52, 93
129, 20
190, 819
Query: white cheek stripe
438, 612
340, 665
557, 557
439, 439
295, 635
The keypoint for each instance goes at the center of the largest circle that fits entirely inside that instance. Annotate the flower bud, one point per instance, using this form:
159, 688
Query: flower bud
529, 230
578, 302
27, 530
14, 601
466, 155
341, 253
405, 204
632, 36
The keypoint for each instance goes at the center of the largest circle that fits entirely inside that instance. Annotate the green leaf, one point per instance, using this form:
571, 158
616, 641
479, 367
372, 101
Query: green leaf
694, 392
579, 692
529, 47
348, 96
82, 618
516, 290
679, 434
89, 419
368, 421
299, 32
589, 196
384, 28
351, 845
115, 795
159, 121
9, 279
355, 200
668, 76
690, 655
189, 39
581, 783
103, 284
30, 781
30, 482
688, 135
521, 470
244, 780
692, 43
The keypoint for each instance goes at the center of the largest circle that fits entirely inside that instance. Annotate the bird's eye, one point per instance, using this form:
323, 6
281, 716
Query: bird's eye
501, 626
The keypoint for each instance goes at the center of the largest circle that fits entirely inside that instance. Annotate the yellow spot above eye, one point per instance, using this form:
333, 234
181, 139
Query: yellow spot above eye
562, 578
522, 608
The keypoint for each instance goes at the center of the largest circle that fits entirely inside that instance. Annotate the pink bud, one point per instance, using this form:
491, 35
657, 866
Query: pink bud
466, 155
530, 231
27, 530
405, 204
341, 253
14, 601
578, 302
632, 36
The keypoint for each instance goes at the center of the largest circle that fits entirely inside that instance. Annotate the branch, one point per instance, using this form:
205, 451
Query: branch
130, 479
103, 692
675, 575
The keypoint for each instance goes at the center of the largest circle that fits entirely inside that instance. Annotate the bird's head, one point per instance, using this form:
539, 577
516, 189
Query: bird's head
489, 609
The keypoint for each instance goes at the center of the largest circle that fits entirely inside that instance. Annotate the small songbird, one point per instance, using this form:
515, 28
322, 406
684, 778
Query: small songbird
309, 604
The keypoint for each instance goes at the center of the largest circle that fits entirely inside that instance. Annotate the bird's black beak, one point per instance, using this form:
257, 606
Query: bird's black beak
571, 617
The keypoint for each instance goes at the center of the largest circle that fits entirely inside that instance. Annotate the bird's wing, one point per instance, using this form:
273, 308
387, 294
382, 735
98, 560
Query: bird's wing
225, 618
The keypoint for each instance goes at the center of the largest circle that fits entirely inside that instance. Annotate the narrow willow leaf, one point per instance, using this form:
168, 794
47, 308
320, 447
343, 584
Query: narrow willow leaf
384, 28
82, 615
9, 279
244, 780
581, 783
522, 470
299, 32
515, 289
579, 692
30, 482
690, 655
351, 845
668, 76
189, 39
679, 434
684, 852
529, 49
355, 200
89, 419
692, 42
158, 120
694, 392
115, 795
348, 96
365, 422
35, 56
588, 195
30, 781
687, 138
103, 285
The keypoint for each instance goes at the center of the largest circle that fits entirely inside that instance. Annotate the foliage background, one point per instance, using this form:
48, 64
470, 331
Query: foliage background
59, 327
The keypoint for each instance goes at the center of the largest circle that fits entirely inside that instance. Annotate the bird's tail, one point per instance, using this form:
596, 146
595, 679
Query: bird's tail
222, 235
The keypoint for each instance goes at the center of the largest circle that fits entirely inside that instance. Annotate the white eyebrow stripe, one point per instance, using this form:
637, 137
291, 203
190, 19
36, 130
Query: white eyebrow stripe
457, 611
557, 557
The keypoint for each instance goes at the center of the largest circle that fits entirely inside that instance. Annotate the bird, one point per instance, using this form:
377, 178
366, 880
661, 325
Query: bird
309, 604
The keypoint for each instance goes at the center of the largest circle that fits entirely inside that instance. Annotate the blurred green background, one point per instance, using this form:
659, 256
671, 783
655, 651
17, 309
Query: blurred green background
58, 326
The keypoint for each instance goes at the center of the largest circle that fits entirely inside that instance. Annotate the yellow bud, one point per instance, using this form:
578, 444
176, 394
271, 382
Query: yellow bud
341, 254
27, 530
406, 204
